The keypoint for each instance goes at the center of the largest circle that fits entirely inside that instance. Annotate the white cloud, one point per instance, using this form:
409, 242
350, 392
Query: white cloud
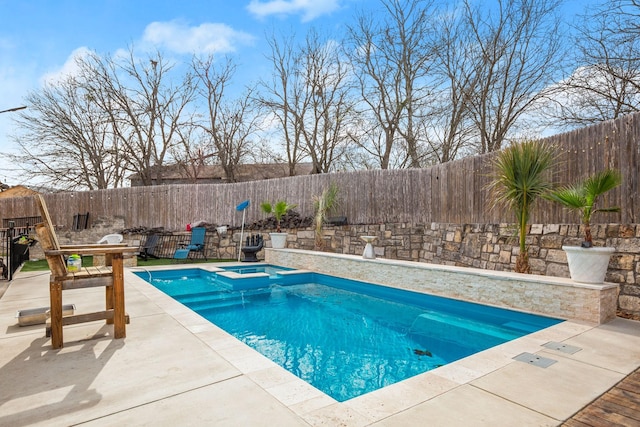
207, 38
69, 68
309, 9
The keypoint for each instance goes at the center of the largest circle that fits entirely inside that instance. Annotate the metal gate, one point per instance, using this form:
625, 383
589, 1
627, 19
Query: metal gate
16, 249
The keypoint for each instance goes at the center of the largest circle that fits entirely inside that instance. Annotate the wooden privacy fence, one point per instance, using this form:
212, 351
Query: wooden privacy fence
453, 192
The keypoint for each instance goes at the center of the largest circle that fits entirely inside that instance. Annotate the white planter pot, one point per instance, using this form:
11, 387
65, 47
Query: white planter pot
588, 265
278, 240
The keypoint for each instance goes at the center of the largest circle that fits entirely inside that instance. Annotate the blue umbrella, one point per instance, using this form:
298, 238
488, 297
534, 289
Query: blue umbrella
242, 207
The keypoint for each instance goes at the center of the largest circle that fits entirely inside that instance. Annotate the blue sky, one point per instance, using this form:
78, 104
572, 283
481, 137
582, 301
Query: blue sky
38, 38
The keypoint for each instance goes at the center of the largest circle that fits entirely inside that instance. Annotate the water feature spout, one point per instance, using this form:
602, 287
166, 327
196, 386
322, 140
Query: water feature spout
369, 253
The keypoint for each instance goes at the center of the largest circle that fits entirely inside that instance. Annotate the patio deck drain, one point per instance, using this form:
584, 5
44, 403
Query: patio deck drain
565, 348
535, 360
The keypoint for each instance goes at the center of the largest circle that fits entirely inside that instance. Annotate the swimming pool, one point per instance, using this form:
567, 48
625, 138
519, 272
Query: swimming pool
344, 337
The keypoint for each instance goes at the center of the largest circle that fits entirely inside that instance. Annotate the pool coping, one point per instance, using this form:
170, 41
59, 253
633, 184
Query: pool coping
167, 372
312, 404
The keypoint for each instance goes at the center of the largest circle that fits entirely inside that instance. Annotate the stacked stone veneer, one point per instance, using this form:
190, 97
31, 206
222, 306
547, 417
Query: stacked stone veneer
551, 296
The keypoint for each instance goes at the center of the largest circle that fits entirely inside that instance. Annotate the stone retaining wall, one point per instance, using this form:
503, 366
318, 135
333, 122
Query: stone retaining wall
484, 246
491, 247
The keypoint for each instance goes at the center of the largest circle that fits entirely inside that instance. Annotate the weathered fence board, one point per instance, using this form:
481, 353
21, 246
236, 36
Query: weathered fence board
455, 192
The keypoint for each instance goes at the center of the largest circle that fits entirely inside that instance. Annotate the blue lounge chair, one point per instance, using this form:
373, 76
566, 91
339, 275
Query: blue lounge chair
196, 244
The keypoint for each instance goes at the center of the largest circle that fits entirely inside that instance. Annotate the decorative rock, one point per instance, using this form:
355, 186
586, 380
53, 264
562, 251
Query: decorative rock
536, 229
551, 228
629, 303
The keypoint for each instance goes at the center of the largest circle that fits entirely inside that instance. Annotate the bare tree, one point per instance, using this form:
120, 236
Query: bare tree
192, 153
309, 97
283, 94
327, 105
66, 141
231, 124
605, 83
516, 51
452, 129
371, 147
393, 59
145, 108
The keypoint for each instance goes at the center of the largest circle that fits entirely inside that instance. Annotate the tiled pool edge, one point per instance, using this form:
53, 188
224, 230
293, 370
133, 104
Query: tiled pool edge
550, 296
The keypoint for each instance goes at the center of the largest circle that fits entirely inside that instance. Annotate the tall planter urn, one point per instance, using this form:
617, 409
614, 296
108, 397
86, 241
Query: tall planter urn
278, 209
278, 240
588, 265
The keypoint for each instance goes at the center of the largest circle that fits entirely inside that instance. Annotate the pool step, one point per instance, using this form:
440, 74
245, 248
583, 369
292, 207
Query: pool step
214, 300
214, 303
447, 327
201, 296
207, 306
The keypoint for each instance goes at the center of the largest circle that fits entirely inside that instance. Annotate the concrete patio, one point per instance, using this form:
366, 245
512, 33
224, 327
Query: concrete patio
175, 368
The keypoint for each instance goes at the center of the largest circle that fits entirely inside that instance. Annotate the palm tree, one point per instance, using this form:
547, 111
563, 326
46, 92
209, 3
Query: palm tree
278, 209
323, 204
582, 197
521, 175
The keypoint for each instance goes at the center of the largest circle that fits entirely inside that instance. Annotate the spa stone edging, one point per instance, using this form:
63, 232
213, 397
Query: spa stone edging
551, 296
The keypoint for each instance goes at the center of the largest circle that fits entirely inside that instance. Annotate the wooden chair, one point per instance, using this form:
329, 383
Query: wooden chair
111, 277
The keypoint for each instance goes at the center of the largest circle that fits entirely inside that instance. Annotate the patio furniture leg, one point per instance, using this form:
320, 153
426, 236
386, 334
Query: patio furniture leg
119, 318
55, 299
108, 290
109, 302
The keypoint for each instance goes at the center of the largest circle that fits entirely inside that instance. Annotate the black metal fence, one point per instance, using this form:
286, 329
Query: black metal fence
162, 245
22, 222
16, 244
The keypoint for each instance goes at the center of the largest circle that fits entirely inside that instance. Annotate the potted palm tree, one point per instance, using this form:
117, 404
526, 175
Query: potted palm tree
521, 176
588, 264
278, 210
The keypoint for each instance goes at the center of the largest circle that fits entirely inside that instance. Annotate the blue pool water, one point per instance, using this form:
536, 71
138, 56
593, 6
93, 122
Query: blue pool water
344, 337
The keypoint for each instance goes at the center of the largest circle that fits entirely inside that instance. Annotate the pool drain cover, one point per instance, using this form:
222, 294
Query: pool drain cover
565, 348
534, 359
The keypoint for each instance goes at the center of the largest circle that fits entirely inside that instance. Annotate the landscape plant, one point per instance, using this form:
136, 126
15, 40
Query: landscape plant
582, 197
278, 210
323, 204
521, 175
